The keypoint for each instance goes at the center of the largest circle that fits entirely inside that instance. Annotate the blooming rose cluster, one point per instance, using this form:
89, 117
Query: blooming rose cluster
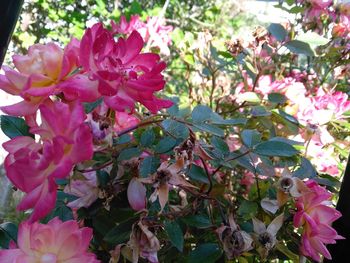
54, 83
314, 109
315, 216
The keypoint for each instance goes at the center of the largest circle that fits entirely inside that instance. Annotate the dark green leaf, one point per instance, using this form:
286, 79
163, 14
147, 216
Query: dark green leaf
299, 47
175, 128
61, 210
210, 129
247, 209
149, 166
165, 144
129, 153
175, 234
102, 177
14, 126
277, 98
120, 233
250, 137
278, 31
8, 232
275, 148
123, 139
197, 173
198, 221
147, 138
201, 114
90, 106
259, 111
205, 253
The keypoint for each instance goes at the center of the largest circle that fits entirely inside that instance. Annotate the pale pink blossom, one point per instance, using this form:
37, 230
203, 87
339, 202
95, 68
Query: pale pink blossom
57, 241
123, 75
136, 194
315, 216
39, 74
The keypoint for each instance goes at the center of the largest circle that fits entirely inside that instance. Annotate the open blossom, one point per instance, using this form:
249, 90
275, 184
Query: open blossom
39, 74
123, 74
57, 241
34, 166
315, 216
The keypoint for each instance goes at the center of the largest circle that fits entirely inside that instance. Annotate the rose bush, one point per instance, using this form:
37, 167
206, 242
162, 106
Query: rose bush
246, 171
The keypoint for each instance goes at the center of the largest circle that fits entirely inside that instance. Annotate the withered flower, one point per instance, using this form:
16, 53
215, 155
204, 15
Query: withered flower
234, 241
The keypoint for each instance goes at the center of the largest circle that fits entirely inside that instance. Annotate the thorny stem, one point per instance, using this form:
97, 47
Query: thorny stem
134, 127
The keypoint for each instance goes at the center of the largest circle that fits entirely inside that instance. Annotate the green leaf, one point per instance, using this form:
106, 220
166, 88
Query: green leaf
247, 209
313, 39
277, 98
14, 126
205, 253
165, 144
175, 128
249, 97
189, 59
120, 233
201, 114
147, 138
278, 31
198, 221
275, 148
123, 139
306, 170
149, 166
135, 8
129, 153
90, 106
250, 137
197, 173
210, 129
220, 145
175, 234
61, 210
8, 232
285, 250
102, 177
299, 47
259, 111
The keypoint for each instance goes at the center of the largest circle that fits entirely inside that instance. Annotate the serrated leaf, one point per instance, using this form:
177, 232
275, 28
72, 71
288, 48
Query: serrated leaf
175, 128
278, 31
147, 138
275, 148
210, 129
149, 166
165, 144
120, 233
14, 126
250, 137
205, 253
300, 47
201, 114
175, 234
129, 153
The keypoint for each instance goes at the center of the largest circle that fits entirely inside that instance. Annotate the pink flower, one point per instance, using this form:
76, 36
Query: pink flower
316, 216
86, 190
124, 121
34, 166
39, 75
154, 32
124, 76
56, 241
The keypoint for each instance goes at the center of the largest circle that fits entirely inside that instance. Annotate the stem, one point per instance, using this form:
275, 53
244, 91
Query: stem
230, 159
97, 168
208, 175
213, 86
137, 126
